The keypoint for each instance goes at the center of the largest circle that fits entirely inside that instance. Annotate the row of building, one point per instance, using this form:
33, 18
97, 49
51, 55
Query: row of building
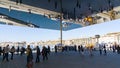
110, 38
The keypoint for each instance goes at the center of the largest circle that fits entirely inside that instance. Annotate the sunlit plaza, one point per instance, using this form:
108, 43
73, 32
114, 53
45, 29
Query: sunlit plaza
59, 33
68, 60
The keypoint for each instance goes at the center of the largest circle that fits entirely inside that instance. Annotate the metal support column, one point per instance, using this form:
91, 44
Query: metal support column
61, 22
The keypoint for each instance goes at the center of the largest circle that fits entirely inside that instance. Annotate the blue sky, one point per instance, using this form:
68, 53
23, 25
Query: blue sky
15, 33
91, 31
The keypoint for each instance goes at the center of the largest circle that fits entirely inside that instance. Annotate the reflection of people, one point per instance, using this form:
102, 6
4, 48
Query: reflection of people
18, 1
112, 15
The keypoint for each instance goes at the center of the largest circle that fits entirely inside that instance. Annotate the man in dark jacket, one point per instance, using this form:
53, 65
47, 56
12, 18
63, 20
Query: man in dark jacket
45, 53
37, 54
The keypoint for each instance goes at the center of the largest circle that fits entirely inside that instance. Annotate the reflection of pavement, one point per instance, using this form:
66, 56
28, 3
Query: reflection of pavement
68, 60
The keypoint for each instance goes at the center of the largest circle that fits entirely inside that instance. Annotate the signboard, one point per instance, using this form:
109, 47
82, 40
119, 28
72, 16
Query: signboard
97, 36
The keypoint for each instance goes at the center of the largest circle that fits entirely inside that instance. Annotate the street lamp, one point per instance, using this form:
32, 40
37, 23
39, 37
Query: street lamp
61, 21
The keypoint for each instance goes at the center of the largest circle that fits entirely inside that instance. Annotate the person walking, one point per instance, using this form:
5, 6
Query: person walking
91, 49
100, 49
104, 48
118, 49
29, 57
0, 51
18, 49
22, 51
44, 53
79, 48
12, 50
49, 50
82, 50
55, 49
37, 54
6, 51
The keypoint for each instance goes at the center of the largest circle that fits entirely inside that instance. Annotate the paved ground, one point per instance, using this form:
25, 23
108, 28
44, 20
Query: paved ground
68, 60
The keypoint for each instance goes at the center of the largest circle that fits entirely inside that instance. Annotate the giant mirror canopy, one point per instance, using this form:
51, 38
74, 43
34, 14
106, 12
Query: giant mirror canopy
46, 13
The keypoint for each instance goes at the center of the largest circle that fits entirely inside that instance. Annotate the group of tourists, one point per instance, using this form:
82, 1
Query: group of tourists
102, 48
6, 51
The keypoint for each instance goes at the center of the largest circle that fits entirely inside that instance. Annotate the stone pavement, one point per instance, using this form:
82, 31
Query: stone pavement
68, 60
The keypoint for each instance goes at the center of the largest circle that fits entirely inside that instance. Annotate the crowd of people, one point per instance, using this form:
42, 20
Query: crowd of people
6, 51
102, 48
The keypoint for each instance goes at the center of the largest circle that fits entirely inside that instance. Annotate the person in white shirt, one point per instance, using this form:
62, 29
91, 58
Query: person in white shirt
6, 51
